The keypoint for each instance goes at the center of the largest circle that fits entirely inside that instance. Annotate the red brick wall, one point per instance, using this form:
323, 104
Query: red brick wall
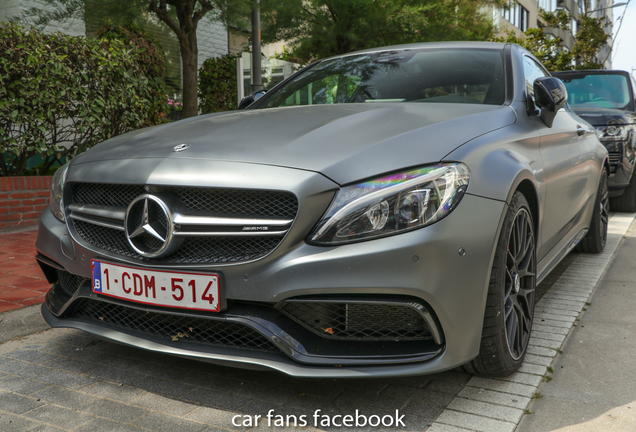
22, 200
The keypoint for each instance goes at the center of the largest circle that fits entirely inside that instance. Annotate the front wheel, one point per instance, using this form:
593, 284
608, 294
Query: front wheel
596, 237
511, 295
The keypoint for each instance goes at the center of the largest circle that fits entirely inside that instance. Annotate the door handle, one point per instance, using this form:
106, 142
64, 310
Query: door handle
580, 131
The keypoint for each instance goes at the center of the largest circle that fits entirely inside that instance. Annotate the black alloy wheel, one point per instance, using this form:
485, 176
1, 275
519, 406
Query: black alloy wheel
596, 237
520, 282
511, 295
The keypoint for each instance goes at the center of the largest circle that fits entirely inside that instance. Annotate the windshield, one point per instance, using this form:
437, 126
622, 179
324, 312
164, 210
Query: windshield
597, 91
450, 75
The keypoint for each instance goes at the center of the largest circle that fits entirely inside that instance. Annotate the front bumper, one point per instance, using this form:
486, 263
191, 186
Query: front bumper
422, 266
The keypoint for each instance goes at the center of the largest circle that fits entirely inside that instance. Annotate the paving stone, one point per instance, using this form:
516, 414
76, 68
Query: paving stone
546, 352
545, 343
422, 408
58, 416
215, 399
439, 427
554, 317
429, 396
70, 365
103, 425
115, 410
530, 368
449, 382
553, 323
64, 397
118, 376
67, 379
24, 369
116, 392
351, 400
21, 385
13, 423
17, 404
495, 397
215, 417
72, 352
164, 387
486, 409
121, 362
550, 329
576, 307
4, 359
154, 402
502, 386
31, 356
548, 336
474, 422
165, 423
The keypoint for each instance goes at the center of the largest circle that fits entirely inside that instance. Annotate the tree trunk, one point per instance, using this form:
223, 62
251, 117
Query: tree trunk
189, 59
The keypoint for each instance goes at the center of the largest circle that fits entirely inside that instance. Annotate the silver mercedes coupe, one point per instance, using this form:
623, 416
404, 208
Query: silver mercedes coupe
382, 213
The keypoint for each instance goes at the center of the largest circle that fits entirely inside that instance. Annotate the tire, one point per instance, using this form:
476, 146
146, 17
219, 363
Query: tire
595, 239
511, 295
626, 202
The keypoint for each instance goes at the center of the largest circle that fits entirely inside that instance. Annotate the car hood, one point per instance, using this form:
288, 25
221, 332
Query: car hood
605, 117
345, 142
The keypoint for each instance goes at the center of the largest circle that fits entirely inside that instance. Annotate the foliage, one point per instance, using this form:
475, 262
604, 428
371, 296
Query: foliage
182, 17
321, 28
589, 39
217, 84
60, 95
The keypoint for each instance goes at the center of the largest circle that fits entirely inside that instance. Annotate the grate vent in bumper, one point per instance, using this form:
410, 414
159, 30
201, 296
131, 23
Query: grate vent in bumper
359, 321
197, 330
69, 282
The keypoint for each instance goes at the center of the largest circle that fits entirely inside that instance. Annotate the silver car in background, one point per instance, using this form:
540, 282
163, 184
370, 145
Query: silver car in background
382, 213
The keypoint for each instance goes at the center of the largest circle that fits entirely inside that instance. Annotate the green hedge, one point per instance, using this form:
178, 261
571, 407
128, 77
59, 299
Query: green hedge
217, 84
60, 95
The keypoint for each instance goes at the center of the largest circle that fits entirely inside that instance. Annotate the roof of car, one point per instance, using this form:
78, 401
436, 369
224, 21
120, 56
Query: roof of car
430, 45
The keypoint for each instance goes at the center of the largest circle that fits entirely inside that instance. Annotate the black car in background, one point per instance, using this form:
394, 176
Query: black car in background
605, 99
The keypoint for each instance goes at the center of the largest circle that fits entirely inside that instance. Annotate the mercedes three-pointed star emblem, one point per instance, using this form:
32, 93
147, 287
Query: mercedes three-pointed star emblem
149, 226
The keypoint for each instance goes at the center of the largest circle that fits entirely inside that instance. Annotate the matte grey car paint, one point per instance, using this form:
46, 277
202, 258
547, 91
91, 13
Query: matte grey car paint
311, 151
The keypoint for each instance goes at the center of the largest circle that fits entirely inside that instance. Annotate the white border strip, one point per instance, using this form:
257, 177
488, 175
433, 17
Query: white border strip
497, 405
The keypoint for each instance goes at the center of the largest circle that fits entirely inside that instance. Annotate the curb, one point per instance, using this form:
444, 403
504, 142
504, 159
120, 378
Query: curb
498, 404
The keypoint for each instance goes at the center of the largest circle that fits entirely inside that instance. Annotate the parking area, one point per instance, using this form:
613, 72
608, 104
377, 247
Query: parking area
66, 380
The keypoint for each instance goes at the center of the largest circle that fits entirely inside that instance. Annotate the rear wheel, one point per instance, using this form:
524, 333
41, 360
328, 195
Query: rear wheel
626, 202
511, 295
594, 240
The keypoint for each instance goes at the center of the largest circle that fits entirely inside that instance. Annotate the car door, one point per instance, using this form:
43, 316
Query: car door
567, 169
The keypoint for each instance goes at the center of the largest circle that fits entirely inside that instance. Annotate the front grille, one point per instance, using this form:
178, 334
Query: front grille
358, 321
243, 203
69, 282
216, 248
174, 328
194, 250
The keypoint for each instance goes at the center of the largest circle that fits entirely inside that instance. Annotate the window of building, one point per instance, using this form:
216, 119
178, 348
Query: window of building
516, 15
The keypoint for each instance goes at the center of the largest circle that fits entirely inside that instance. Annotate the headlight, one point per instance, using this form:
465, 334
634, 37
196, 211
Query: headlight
612, 133
57, 186
392, 204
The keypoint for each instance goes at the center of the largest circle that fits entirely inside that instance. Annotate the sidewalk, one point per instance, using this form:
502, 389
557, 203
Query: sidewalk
21, 280
593, 387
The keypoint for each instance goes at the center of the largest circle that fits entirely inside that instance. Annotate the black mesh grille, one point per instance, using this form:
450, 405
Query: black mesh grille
196, 201
237, 203
69, 282
105, 194
356, 321
194, 250
173, 327
615, 158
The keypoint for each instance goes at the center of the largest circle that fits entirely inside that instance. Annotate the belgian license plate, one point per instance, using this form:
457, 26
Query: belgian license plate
198, 291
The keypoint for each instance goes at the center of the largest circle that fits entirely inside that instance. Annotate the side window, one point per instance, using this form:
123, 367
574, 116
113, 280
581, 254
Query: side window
532, 71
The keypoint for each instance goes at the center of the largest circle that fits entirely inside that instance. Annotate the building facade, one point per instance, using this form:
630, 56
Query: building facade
520, 15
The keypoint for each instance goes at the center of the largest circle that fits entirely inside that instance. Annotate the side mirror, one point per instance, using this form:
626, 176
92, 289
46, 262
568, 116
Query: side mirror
251, 98
550, 95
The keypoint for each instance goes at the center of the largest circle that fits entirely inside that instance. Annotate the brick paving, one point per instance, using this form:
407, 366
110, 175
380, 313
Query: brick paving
21, 280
